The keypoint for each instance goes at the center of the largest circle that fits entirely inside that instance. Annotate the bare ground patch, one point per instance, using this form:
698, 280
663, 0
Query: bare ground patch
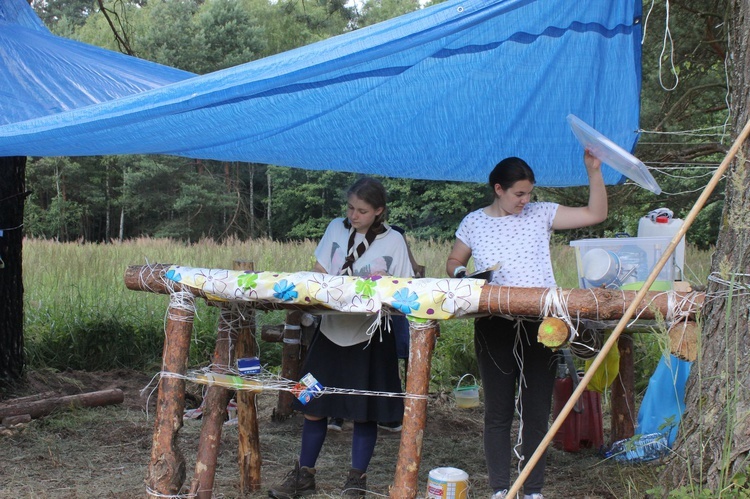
104, 452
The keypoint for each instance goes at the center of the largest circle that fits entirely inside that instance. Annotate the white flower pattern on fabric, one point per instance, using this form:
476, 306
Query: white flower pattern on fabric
358, 305
326, 288
212, 281
453, 295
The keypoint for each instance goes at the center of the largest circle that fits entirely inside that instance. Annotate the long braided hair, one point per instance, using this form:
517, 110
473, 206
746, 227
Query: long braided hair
372, 192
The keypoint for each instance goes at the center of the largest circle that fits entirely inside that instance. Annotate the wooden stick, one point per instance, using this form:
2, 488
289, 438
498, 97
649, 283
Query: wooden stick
631, 310
421, 347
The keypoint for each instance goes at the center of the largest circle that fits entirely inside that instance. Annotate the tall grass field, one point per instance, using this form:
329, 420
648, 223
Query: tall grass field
79, 314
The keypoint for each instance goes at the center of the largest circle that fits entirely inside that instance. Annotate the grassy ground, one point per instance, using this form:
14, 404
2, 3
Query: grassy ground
104, 452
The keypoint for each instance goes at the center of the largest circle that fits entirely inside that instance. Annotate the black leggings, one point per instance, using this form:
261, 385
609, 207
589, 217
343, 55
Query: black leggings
507, 352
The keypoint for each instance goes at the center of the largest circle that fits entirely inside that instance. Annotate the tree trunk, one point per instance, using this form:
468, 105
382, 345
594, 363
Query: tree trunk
251, 202
714, 441
268, 176
12, 196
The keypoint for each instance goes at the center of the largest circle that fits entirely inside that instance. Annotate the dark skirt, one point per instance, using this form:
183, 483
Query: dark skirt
369, 366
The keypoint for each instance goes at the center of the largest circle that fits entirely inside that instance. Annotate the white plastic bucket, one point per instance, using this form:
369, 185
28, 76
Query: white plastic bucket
447, 483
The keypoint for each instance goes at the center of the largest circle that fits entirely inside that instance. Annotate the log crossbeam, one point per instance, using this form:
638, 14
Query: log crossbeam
167, 471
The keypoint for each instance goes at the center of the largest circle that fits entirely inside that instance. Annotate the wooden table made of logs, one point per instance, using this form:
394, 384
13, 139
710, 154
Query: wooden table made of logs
167, 473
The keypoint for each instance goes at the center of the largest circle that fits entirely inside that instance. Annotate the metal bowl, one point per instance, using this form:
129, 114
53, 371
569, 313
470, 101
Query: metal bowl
600, 267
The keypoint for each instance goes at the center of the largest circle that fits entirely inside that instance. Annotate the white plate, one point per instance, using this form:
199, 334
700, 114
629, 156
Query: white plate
613, 155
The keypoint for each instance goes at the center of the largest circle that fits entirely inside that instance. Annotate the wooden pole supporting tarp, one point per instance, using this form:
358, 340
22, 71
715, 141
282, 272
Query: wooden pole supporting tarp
421, 346
631, 310
166, 471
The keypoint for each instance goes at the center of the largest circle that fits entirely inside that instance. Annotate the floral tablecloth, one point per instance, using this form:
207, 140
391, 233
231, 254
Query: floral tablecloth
417, 298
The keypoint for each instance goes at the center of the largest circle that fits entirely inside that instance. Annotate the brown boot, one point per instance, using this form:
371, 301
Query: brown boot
356, 484
298, 482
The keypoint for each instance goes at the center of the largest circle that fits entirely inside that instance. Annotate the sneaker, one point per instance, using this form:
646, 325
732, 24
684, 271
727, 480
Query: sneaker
298, 482
394, 426
335, 424
500, 494
535, 495
356, 484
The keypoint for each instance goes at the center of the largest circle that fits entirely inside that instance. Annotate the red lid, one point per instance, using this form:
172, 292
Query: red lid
662, 219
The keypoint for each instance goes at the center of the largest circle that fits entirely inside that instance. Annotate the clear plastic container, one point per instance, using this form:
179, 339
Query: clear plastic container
629, 262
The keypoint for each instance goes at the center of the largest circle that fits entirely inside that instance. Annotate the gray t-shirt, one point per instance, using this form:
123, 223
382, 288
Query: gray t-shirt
387, 254
520, 243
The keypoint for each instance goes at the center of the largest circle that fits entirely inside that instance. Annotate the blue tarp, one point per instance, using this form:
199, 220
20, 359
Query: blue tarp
42, 74
441, 93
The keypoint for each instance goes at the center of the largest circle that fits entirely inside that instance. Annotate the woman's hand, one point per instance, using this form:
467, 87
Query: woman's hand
593, 164
458, 259
596, 211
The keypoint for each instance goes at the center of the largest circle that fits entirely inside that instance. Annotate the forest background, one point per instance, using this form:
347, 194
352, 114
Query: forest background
684, 120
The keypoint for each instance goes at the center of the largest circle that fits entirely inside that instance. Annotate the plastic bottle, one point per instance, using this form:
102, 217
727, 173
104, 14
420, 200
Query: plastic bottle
659, 223
638, 450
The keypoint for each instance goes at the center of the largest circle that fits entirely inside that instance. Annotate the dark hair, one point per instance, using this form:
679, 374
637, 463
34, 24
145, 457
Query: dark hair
509, 171
372, 192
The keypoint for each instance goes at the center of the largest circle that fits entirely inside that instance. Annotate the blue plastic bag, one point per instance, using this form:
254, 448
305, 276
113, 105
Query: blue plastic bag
664, 402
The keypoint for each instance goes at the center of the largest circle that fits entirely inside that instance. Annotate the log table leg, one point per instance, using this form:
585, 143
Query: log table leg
421, 348
623, 391
214, 410
166, 471
291, 359
247, 416
248, 451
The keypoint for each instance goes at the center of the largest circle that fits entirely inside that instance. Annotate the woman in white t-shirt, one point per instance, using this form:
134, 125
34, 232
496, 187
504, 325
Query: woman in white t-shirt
347, 351
515, 233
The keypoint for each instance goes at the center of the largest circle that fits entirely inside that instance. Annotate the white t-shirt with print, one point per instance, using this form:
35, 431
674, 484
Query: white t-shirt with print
386, 255
520, 243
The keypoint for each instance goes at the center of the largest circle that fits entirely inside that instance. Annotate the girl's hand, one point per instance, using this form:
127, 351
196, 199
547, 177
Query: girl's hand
593, 164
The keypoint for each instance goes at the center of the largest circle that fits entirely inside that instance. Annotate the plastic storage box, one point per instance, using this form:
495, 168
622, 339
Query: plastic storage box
622, 262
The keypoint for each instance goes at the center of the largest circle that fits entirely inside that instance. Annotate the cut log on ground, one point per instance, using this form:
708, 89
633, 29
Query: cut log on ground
39, 408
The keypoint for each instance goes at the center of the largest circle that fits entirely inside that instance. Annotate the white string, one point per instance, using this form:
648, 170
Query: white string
738, 287
687, 132
152, 493
668, 35
554, 305
518, 354
267, 381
